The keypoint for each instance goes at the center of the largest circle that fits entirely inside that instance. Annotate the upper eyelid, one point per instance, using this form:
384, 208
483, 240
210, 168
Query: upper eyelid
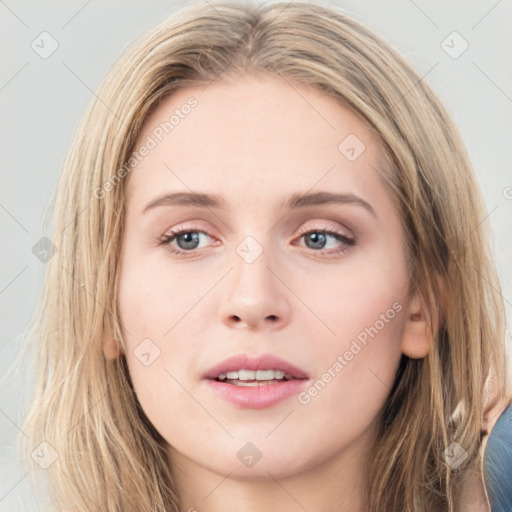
181, 230
340, 226
174, 233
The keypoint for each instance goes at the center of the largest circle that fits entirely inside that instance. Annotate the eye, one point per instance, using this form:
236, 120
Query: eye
186, 239
318, 240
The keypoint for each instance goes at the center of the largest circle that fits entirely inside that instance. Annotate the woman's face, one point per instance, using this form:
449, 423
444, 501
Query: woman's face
260, 273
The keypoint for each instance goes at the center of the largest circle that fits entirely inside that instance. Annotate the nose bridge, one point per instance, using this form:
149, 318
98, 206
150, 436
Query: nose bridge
253, 258
255, 294
257, 244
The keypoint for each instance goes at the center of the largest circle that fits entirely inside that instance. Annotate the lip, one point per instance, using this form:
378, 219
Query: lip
256, 397
260, 396
263, 362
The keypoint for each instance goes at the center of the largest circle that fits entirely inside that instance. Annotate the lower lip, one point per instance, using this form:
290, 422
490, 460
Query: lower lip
256, 397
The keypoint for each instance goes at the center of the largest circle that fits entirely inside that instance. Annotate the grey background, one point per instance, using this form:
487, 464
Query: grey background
41, 101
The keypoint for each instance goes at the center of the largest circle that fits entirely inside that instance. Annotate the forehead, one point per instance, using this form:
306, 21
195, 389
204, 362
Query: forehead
254, 133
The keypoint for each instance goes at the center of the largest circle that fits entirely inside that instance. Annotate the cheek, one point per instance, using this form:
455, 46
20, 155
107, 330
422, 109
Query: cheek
357, 354
152, 300
159, 315
366, 292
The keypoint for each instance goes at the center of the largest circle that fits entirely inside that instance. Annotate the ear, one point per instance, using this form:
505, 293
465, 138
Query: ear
416, 338
112, 348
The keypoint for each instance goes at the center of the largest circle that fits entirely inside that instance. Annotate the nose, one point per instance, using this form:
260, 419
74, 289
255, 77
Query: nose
256, 297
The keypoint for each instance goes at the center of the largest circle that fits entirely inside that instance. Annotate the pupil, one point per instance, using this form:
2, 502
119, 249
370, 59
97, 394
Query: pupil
189, 238
315, 238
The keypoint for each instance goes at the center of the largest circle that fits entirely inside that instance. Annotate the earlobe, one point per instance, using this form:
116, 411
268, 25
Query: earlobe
416, 337
111, 347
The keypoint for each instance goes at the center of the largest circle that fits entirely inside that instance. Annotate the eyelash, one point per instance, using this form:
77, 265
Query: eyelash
348, 242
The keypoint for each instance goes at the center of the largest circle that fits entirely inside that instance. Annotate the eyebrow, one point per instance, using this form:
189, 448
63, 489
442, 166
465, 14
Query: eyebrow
297, 200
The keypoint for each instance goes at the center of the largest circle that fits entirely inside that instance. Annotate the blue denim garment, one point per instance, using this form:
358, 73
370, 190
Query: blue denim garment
498, 463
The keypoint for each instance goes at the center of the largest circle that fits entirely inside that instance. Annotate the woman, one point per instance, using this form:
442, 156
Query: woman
277, 292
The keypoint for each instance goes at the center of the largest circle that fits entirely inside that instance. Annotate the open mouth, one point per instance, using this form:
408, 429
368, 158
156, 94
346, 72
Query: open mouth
238, 382
254, 378
256, 389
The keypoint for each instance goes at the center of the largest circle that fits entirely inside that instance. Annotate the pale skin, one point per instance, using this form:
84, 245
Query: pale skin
255, 142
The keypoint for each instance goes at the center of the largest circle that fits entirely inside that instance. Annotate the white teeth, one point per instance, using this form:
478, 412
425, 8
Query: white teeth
255, 375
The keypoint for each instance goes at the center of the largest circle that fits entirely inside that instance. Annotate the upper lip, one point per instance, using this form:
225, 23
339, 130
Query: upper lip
263, 362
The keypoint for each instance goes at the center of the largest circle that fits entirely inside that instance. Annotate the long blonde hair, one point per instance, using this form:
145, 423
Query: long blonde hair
109, 456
